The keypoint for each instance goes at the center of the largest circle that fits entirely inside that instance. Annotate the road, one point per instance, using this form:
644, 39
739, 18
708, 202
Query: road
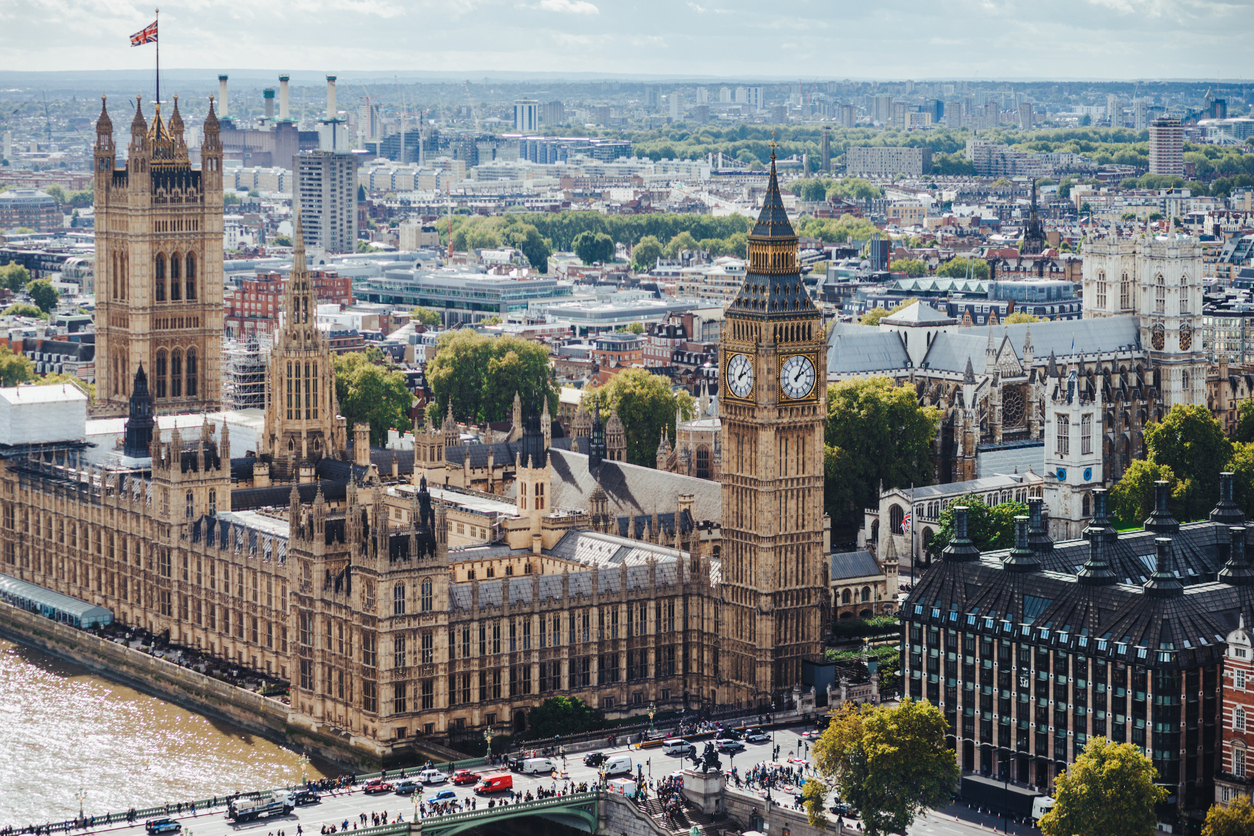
349, 804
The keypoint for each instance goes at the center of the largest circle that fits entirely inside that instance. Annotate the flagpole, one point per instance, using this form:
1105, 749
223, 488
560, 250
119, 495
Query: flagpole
158, 40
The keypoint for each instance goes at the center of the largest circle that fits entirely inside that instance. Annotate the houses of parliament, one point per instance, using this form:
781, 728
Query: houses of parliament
390, 625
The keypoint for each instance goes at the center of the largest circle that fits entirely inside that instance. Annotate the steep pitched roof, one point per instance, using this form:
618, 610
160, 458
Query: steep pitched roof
632, 490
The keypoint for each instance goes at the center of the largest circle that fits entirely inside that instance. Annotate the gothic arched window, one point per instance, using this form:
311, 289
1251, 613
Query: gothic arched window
176, 291
191, 373
176, 373
846, 597
866, 593
159, 278
190, 276
159, 374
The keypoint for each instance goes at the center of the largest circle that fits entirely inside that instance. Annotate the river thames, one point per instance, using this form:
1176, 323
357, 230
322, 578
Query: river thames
64, 730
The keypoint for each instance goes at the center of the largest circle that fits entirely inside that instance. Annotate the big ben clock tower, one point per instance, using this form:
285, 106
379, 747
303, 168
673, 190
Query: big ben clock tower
773, 409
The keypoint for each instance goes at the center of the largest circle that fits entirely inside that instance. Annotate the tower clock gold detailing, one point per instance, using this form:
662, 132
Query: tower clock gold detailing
774, 365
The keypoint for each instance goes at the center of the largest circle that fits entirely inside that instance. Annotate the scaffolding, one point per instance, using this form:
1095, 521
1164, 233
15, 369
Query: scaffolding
245, 379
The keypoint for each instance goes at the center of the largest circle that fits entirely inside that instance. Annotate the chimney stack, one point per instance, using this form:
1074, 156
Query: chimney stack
331, 108
268, 95
285, 114
222, 111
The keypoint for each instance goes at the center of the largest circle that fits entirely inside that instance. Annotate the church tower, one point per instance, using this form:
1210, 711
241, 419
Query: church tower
773, 406
1170, 272
302, 411
158, 265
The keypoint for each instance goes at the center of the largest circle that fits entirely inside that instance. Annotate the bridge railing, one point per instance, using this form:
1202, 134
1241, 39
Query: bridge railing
519, 808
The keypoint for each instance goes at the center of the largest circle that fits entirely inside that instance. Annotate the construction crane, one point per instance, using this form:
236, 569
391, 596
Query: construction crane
474, 114
47, 119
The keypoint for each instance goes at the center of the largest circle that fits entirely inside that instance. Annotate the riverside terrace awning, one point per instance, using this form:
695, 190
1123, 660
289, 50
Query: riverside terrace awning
52, 605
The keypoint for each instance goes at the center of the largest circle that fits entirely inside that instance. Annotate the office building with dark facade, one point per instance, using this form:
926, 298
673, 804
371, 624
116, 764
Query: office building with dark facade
1031, 652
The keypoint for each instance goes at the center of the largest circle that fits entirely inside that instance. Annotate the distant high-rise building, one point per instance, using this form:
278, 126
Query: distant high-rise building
325, 184
953, 115
553, 113
653, 97
992, 114
846, 115
1140, 114
883, 109
742, 95
602, 114
1219, 109
526, 116
826, 162
779, 114
703, 96
1114, 110
755, 97
724, 95
1166, 147
1025, 116
700, 114
676, 103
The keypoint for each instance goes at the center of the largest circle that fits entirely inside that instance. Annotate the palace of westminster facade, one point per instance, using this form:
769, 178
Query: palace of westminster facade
297, 560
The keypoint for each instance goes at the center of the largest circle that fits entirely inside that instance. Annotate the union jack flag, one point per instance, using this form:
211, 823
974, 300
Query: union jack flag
147, 35
905, 522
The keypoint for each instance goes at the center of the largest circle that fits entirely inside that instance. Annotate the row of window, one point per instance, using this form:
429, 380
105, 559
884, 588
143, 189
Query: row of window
180, 283
175, 374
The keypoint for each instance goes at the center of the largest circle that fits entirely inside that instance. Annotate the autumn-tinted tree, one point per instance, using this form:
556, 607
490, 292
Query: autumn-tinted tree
990, 527
874, 315
15, 368
1237, 819
1108, 791
481, 373
646, 404
876, 432
889, 762
371, 393
426, 316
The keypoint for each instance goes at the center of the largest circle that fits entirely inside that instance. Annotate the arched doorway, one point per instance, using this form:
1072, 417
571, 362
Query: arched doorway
520, 721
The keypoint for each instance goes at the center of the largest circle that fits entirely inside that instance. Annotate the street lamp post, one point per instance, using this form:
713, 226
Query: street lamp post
304, 762
652, 711
414, 798
487, 737
82, 796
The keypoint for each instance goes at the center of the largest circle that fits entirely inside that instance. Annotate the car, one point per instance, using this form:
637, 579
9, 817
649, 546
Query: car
465, 776
162, 826
406, 787
729, 734
432, 776
840, 809
813, 734
594, 759
729, 746
444, 795
378, 785
757, 736
304, 795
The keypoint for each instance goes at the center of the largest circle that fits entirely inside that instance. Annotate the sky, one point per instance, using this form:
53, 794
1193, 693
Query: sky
766, 39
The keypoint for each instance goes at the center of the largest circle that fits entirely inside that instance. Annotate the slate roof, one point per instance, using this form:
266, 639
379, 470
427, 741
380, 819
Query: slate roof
633, 491
773, 219
502, 452
857, 349
920, 312
855, 564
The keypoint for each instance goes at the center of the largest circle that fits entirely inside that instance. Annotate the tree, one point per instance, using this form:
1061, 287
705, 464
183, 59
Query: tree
990, 527
43, 294
23, 309
957, 267
891, 763
15, 368
682, 241
876, 433
1190, 441
56, 193
873, 316
282, 241
426, 316
1132, 497
1245, 422
230, 199
66, 377
645, 254
560, 716
14, 276
909, 266
646, 405
1237, 819
1020, 317
634, 328
480, 373
372, 394
1108, 791
593, 247
528, 241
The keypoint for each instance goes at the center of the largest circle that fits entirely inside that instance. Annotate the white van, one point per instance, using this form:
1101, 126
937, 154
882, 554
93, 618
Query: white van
617, 765
536, 766
676, 746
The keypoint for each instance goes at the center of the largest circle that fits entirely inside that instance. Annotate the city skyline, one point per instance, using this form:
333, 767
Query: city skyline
970, 39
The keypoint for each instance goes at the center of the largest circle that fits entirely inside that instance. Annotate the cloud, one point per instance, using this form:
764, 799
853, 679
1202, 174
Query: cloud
570, 7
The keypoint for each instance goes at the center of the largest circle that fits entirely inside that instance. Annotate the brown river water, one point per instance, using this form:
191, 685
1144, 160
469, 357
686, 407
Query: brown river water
65, 731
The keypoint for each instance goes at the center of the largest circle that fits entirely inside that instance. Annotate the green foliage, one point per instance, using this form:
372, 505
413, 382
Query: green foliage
989, 527
634, 328
646, 405
23, 309
873, 316
230, 199
888, 656
1132, 497
592, 247
1020, 317
957, 268
372, 394
844, 188
858, 628
14, 276
282, 241
1191, 443
1108, 791
682, 241
1245, 422
66, 377
56, 193
480, 374
876, 432
490, 320
845, 228
15, 368
426, 316
560, 716
559, 229
952, 165
1237, 819
645, 254
910, 266
889, 762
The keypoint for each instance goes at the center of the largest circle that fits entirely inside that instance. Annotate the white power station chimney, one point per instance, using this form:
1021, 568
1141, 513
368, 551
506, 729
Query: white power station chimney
222, 112
331, 109
284, 111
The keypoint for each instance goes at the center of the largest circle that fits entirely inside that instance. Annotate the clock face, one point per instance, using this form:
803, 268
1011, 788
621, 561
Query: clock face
796, 376
740, 376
